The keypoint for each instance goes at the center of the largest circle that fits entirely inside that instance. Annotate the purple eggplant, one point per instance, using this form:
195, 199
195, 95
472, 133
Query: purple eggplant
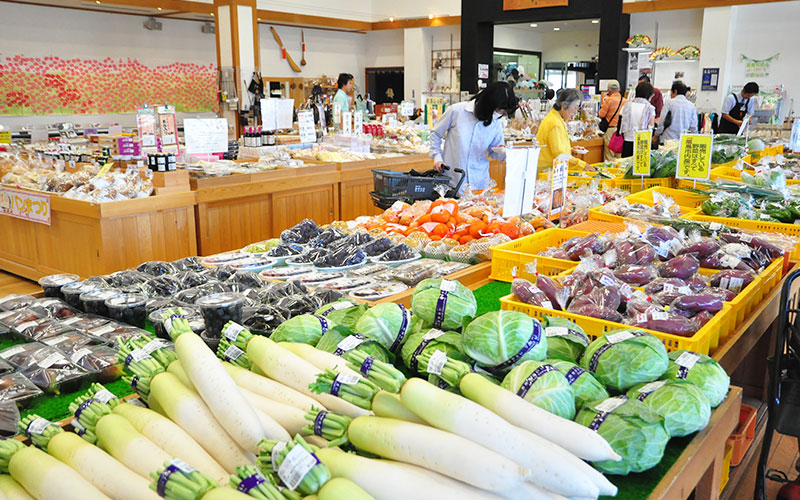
551, 289
674, 325
528, 293
722, 293
634, 252
634, 275
657, 284
696, 283
595, 311
732, 279
721, 260
584, 247
701, 248
682, 266
661, 237
699, 302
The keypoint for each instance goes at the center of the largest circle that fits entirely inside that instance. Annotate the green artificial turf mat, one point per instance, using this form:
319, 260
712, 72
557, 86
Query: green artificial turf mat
57, 407
636, 486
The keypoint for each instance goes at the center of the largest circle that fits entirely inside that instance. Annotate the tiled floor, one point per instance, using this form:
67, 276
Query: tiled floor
783, 456
12, 284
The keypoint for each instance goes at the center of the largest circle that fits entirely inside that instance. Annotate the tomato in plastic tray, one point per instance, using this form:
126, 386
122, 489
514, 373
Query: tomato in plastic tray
156, 268
52, 284
46, 367
218, 309
16, 388
94, 302
13, 302
262, 320
187, 264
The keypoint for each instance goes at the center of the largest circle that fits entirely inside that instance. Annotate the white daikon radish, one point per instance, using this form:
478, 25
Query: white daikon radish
575, 438
550, 466
187, 409
290, 418
225, 493
286, 367
220, 392
12, 490
386, 480
389, 405
321, 359
171, 438
122, 441
271, 389
47, 478
437, 450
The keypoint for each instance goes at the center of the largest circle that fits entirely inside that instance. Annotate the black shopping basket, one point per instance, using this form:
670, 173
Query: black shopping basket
391, 186
783, 400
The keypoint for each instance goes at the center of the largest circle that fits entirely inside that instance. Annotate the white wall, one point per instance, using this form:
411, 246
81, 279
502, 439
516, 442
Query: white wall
365, 10
384, 48
507, 37
555, 46
383, 9
48, 31
676, 29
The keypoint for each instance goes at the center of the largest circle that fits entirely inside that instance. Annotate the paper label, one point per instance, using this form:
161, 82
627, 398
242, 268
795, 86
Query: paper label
80, 353
347, 379
104, 396
715, 226
135, 356
735, 284
232, 331
547, 304
51, 360
432, 334
437, 362
659, 316
276, 450
626, 290
153, 346
607, 280
685, 290
663, 249
729, 261
349, 343
24, 326
687, 360
556, 331
746, 238
37, 426
448, 286
71, 320
232, 353
653, 386
616, 338
611, 404
765, 217
12, 351
338, 306
295, 466
668, 287
182, 466
103, 330
6, 314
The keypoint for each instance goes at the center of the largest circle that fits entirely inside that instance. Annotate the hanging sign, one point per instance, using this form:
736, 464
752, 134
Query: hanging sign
694, 157
24, 205
305, 121
641, 152
710, 79
146, 126
533, 4
168, 126
558, 187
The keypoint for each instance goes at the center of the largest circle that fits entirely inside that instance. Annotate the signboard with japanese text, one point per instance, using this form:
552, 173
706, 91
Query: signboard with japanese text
358, 122
694, 157
641, 152
33, 207
347, 123
558, 187
5, 137
305, 121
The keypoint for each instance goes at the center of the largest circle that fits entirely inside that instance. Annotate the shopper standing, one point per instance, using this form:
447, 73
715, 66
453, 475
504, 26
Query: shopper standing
658, 98
679, 115
610, 109
345, 83
467, 132
637, 115
552, 135
735, 107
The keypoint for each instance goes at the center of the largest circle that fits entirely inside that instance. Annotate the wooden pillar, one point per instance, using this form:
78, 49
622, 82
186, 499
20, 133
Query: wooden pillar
238, 53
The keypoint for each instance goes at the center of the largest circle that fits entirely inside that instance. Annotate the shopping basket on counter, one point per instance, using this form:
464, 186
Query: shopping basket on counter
411, 186
783, 399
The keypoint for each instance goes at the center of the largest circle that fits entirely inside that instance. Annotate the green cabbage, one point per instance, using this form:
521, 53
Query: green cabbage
702, 371
430, 340
624, 358
632, 429
565, 339
682, 405
330, 341
389, 324
443, 309
303, 329
501, 340
756, 144
343, 312
543, 385
583, 383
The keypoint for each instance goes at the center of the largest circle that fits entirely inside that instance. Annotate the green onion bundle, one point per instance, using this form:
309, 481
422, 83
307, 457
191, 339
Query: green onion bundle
233, 354
250, 481
179, 481
452, 370
134, 358
7, 449
39, 430
358, 391
384, 375
271, 455
88, 411
329, 425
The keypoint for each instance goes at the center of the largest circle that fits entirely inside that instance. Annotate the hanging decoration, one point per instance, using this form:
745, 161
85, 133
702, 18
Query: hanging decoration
661, 53
689, 52
757, 68
638, 40
55, 86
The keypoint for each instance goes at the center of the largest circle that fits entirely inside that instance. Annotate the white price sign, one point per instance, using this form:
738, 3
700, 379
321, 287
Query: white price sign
308, 132
347, 122
205, 135
406, 108
358, 123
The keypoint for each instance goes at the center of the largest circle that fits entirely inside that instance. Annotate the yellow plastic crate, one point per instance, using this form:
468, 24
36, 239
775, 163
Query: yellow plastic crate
699, 342
684, 183
755, 225
511, 258
636, 185
596, 213
769, 151
681, 197
726, 466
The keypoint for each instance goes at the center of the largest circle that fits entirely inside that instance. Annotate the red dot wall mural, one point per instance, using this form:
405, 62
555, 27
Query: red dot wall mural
56, 86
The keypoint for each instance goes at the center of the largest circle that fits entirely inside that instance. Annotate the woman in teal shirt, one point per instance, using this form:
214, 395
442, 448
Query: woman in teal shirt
345, 83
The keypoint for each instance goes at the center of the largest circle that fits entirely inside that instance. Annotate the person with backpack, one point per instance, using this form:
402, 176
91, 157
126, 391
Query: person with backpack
736, 107
609, 117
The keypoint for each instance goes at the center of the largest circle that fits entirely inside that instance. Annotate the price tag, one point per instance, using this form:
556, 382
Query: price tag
295, 466
745, 238
103, 330
349, 343
77, 355
448, 286
104, 396
715, 226
347, 123
558, 187
24, 326
71, 320
205, 135
51, 360
652, 386
342, 305
437, 362
607, 280
641, 152
556, 331
182, 466
347, 379
232, 332
659, 316
308, 132
611, 404
37, 426
5, 137
153, 345
433, 333
406, 108
687, 360
616, 338
694, 157
232, 353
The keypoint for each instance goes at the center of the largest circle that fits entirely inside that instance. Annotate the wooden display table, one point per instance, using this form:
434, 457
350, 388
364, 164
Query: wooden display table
92, 239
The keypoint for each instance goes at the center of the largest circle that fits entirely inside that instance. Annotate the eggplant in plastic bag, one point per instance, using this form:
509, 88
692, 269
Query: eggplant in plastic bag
658, 284
665, 241
701, 248
529, 293
732, 280
553, 291
682, 267
634, 275
699, 302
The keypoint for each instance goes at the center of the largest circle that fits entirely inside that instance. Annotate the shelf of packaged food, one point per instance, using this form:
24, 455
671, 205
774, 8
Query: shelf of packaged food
91, 239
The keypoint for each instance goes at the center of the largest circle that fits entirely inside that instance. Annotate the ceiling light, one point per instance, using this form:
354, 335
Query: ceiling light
595, 21
430, 16
391, 19
97, 2
556, 29
212, 13
159, 9
534, 25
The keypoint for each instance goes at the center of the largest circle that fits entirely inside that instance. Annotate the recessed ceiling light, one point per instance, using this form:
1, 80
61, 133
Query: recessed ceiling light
534, 25
391, 19
430, 16
595, 21
556, 29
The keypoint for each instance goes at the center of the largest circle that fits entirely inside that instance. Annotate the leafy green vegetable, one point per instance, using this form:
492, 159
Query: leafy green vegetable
330, 341
443, 304
543, 385
565, 339
429, 341
632, 429
624, 358
343, 312
501, 340
702, 371
682, 405
303, 329
388, 324
584, 385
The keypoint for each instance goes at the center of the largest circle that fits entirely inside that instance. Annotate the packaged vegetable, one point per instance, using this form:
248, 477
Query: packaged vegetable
541, 384
343, 312
701, 370
430, 340
388, 324
500, 340
443, 303
305, 329
624, 358
584, 384
682, 405
565, 339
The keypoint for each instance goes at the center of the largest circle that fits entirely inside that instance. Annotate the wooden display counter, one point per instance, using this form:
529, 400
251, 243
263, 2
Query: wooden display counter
92, 239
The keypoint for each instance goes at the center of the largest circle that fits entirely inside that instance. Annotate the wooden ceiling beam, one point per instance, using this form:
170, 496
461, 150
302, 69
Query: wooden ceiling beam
303, 20
179, 5
658, 5
417, 23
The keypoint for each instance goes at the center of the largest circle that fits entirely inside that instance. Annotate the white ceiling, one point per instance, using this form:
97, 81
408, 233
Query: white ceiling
546, 27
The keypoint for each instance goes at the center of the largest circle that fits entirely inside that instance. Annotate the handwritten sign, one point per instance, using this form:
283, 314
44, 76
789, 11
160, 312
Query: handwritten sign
641, 152
406, 108
694, 157
358, 122
5, 137
305, 121
347, 122
558, 188
205, 135
24, 205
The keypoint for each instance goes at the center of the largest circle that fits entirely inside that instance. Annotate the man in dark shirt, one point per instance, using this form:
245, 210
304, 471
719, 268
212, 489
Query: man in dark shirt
657, 100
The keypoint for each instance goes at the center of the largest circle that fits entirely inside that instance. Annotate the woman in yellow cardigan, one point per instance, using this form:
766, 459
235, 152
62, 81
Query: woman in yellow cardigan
552, 135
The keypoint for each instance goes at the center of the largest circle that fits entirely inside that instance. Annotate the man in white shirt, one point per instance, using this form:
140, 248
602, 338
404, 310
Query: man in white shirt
678, 116
736, 107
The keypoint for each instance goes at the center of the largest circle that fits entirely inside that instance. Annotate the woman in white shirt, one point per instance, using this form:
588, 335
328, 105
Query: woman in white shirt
637, 115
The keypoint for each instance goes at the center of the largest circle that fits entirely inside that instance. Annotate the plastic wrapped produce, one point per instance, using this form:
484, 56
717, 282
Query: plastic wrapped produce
112, 332
369, 270
161, 320
303, 232
413, 273
701, 248
732, 280
262, 320
722, 260
658, 285
98, 359
55, 308
94, 302
128, 308
565, 339
187, 264
16, 388
219, 273
285, 251
327, 237
13, 302
665, 240
162, 286
45, 329
378, 290
52, 284
439, 249
46, 367
529, 293
397, 253
72, 292
635, 275
69, 341
156, 268
624, 358
218, 309
693, 304
377, 247
247, 279
127, 278
682, 266
673, 324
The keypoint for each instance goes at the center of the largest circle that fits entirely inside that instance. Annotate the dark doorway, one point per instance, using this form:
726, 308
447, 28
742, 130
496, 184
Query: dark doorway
385, 85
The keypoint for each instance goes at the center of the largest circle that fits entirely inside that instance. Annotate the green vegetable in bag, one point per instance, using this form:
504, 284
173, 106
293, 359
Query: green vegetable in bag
624, 358
565, 339
543, 385
682, 405
585, 386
